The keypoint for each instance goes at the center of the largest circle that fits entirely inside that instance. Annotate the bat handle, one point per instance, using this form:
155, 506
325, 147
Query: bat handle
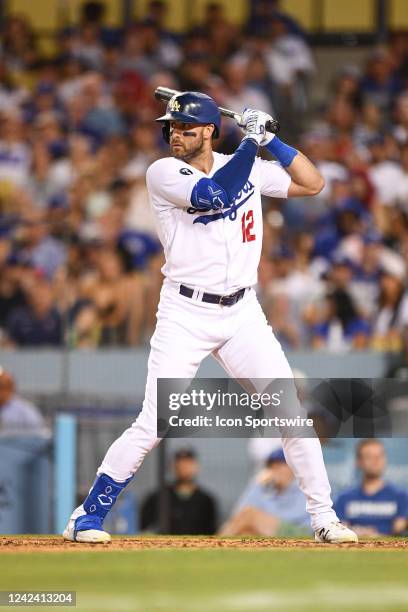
271, 126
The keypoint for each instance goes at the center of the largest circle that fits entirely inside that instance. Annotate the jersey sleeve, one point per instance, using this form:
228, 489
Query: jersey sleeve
274, 180
170, 184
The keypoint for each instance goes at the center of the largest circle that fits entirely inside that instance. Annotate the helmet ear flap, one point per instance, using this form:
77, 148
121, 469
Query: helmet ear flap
166, 131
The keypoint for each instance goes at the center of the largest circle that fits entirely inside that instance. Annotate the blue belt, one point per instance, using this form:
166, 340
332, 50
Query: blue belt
213, 298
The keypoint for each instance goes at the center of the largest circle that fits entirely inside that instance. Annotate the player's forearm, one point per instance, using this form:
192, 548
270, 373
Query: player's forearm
306, 178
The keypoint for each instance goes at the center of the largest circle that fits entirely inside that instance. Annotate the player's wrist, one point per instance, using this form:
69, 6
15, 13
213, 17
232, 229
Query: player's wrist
249, 144
255, 138
268, 137
285, 154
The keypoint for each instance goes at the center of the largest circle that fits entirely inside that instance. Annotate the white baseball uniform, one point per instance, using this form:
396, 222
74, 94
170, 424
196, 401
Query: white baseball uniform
215, 251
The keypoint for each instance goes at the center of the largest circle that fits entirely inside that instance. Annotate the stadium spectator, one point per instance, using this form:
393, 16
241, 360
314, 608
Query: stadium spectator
16, 413
38, 323
364, 281
156, 12
340, 326
262, 11
36, 247
346, 85
63, 172
370, 124
320, 147
223, 34
380, 83
101, 118
117, 299
239, 93
19, 44
375, 507
144, 151
289, 57
271, 505
392, 313
15, 156
12, 95
88, 47
384, 173
146, 53
191, 510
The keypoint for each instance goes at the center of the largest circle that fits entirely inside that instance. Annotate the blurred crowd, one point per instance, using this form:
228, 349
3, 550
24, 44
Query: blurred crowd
79, 255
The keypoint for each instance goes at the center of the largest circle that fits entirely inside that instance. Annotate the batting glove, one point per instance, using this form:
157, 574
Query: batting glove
253, 123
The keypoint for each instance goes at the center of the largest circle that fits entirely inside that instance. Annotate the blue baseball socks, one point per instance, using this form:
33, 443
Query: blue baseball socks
101, 498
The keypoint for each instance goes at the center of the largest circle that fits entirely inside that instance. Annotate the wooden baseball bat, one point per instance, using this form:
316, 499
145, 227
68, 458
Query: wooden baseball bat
164, 93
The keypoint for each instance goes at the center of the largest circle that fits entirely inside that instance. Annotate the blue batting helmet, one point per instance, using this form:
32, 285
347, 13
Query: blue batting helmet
191, 107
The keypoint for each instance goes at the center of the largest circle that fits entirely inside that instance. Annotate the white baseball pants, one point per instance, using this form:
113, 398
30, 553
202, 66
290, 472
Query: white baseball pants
240, 338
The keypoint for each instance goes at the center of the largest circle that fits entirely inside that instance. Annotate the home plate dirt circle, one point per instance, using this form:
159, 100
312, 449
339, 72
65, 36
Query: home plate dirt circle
57, 544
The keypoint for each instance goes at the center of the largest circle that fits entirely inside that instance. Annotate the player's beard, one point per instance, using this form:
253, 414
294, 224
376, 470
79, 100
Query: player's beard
193, 146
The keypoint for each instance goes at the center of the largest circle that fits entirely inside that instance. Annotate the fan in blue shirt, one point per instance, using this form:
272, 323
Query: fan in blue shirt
271, 505
375, 507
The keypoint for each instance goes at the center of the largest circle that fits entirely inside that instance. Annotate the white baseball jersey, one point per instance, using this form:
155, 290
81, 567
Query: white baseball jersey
216, 250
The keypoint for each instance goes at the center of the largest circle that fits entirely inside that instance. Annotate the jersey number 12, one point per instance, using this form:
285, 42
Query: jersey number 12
247, 225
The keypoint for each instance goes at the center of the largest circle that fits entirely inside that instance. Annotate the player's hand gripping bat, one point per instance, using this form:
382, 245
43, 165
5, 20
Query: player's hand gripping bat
164, 93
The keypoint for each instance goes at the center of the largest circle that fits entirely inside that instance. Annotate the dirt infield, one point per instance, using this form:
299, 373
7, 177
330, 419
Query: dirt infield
57, 544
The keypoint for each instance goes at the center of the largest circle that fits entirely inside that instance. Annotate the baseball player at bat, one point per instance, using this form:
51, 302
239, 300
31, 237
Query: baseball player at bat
209, 215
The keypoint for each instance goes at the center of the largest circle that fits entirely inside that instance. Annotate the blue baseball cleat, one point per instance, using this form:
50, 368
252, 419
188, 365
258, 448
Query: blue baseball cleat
86, 522
85, 528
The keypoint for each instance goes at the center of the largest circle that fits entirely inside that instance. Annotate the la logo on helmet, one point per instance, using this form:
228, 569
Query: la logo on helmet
174, 105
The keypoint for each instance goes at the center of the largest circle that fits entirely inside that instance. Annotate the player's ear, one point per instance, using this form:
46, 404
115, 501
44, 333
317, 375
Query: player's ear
208, 131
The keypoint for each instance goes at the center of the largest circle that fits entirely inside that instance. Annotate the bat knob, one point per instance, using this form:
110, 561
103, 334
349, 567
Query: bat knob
272, 126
